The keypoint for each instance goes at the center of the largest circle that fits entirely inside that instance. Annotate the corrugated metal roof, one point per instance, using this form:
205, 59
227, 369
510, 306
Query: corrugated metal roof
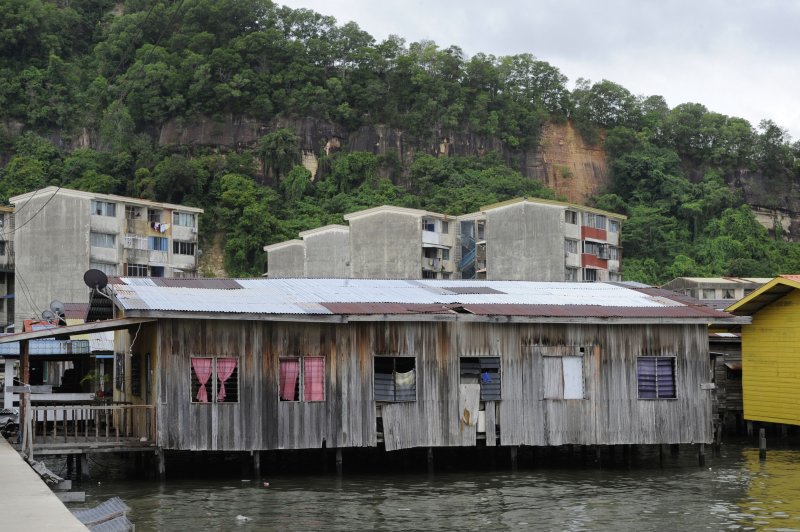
795, 278
380, 296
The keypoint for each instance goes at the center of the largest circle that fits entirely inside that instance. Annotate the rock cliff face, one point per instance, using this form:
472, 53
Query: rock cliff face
562, 160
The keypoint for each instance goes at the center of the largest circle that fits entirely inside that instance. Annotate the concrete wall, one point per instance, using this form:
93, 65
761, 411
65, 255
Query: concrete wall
328, 254
525, 242
52, 253
288, 261
386, 245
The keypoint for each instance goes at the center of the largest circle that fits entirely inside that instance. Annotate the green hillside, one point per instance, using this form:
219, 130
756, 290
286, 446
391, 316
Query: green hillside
87, 87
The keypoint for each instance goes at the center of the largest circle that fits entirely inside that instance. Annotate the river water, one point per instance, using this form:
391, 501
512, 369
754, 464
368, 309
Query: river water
733, 491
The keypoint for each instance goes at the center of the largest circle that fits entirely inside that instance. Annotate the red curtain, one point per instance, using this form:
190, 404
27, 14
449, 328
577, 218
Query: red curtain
202, 370
225, 367
314, 379
290, 371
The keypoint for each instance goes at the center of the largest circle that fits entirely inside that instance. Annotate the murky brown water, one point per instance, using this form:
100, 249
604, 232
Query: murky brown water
734, 491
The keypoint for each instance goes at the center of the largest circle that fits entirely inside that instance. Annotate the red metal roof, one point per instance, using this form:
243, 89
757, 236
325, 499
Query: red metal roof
795, 278
594, 311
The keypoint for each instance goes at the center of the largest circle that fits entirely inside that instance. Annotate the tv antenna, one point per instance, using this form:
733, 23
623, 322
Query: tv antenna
95, 279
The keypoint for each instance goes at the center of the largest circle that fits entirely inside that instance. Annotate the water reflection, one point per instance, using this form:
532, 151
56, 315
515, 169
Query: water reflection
734, 491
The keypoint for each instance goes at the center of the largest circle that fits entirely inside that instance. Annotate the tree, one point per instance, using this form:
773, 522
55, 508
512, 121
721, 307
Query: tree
280, 151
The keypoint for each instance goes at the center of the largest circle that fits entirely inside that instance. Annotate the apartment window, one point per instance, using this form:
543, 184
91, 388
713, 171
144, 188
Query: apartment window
428, 225
136, 270
614, 277
571, 217
656, 377
158, 243
445, 254
302, 377
183, 248
446, 275
185, 219
709, 293
445, 228
570, 246
613, 226
132, 212
215, 380
2, 247
481, 230
104, 208
103, 240
105, 267
154, 216
395, 379
571, 274
589, 274
613, 252
598, 221
430, 253
563, 377
428, 274
484, 371
728, 293
591, 248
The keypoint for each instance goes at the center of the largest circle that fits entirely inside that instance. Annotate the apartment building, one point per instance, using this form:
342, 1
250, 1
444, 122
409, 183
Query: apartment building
6, 268
61, 233
523, 240
717, 292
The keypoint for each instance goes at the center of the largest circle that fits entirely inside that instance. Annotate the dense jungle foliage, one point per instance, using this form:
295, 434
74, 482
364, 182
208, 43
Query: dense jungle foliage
122, 70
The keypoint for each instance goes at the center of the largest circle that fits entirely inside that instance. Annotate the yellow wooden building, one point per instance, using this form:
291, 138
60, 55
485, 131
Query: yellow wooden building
771, 351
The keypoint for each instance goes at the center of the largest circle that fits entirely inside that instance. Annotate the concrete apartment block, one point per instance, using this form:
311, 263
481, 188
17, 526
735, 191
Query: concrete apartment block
327, 252
61, 233
522, 239
286, 259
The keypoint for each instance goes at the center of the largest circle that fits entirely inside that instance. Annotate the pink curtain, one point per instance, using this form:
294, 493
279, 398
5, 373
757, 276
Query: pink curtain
202, 370
290, 371
225, 367
314, 379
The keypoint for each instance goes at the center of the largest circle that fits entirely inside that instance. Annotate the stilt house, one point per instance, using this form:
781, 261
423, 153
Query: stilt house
260, 364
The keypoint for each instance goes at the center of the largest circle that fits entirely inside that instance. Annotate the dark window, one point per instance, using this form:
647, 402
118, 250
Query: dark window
154, 215
136, 270
428, 274
445, 228
484, 371
214, 380
136, 375
589, 274
445, 254
395, 379
183, 248
656, 377
571, 217
158, 243
428, 225
302, 377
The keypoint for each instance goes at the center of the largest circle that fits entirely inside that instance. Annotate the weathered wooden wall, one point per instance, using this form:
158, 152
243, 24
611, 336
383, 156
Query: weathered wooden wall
611, 412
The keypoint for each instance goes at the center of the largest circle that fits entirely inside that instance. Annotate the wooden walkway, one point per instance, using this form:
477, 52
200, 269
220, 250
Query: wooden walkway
28, 503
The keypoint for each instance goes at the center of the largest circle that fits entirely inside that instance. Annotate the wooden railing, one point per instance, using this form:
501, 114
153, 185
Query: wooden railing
82, 423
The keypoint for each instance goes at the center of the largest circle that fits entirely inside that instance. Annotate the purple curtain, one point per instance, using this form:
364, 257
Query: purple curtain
290, 371
225, 367
202, 370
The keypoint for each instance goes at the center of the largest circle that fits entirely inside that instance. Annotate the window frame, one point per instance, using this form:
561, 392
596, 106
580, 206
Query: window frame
585, 276
571, 245
178, 218
571, 275
394, 359
157, 243
99, 240
179, 247
212, 385
104, 208
138, 268
674, 372
301, 379
580, 355
484, 363
613, 226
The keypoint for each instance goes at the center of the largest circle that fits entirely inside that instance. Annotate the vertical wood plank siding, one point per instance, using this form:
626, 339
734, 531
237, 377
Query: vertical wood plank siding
610, 412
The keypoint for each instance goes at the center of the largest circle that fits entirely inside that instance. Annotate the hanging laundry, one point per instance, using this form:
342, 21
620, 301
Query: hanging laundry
164, 228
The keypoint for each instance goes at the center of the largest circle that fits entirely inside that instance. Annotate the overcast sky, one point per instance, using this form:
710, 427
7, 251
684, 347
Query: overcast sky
736, 57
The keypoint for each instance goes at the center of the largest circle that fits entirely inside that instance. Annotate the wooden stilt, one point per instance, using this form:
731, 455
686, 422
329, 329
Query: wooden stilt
161, 467
339, 461
256, 464
83, 467
70, 464
513, 451
784, 431
674, 449
430, 460
749, 429
701, 455
660, 455
762, 444
598, 455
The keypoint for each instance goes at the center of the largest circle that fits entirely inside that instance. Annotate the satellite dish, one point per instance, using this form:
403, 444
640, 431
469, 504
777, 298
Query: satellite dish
57, 307
48, 315
95, 279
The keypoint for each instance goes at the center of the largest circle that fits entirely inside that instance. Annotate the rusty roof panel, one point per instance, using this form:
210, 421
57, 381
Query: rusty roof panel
594, 311
209, 284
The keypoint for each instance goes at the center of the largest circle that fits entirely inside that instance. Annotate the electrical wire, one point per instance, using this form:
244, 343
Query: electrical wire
29, 220
26, 292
